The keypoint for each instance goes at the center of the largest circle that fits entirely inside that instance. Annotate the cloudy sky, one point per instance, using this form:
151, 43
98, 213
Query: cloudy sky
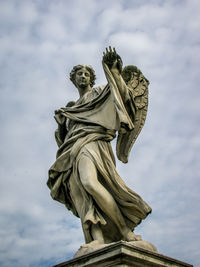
40, 41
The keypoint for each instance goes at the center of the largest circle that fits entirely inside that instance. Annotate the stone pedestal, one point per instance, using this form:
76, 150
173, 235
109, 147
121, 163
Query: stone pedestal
123, 254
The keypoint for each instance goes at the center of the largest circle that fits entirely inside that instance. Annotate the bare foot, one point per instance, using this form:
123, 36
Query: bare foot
130, 236
92, 244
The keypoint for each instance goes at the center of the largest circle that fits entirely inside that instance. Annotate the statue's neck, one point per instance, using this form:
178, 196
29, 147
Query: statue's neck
84, 90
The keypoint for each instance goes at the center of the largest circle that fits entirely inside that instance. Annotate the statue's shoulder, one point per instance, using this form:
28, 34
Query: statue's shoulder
99, 89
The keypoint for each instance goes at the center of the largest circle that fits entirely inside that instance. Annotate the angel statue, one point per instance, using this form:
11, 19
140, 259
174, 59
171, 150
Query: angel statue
84, 175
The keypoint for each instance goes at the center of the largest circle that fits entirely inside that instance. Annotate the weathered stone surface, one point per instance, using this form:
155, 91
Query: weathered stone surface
123, 254
141, 244
84, 175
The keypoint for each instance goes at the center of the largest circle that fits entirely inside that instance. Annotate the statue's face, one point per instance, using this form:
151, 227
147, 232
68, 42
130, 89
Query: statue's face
82, 78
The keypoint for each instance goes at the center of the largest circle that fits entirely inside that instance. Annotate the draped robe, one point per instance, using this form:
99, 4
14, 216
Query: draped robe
86, 129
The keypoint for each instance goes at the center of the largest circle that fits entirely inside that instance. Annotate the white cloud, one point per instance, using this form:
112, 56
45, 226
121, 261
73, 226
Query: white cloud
40, 43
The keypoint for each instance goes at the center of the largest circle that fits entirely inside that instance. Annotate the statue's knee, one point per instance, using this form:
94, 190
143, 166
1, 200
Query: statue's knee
88, 175
89, 185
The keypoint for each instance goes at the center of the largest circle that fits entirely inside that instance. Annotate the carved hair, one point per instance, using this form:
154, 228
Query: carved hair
88, 68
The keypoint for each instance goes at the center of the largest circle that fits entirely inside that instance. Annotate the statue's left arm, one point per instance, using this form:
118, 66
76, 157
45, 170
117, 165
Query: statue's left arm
130, 97
114, 63
124, 104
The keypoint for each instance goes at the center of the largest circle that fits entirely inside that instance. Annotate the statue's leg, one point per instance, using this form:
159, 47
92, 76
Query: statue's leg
89, 180
78, 200
97, 235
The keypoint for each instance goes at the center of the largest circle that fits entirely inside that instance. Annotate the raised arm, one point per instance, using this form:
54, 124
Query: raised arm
114, 63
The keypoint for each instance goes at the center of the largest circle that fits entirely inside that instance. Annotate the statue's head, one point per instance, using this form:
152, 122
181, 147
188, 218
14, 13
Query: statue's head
85, 67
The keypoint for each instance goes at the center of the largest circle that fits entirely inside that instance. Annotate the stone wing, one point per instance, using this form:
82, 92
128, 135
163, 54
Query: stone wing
138, 89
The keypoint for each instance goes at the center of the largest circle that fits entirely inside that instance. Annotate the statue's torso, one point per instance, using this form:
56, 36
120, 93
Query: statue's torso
73, 126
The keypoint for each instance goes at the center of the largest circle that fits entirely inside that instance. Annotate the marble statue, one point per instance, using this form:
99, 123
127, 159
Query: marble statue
84, 176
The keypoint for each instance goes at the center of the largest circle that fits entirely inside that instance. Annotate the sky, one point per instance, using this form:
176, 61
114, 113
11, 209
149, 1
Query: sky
40, 42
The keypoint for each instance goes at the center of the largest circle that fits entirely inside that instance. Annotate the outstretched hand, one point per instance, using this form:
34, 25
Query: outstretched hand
112, 59
59, 111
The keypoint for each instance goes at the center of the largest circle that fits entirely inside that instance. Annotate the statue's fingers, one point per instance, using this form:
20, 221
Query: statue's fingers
107, 50
110, 48
114, 50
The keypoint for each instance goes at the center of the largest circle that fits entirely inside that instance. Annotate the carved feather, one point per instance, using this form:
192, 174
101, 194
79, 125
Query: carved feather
138, 88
